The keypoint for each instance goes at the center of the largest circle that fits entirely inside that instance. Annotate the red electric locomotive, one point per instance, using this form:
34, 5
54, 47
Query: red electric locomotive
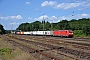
63, 33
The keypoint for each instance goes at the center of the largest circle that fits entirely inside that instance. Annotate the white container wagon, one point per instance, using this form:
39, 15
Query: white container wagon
34, 33
27, 33
44, 33
49, 33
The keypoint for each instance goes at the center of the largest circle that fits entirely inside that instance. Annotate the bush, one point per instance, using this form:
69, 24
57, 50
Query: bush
86, 30
78, 33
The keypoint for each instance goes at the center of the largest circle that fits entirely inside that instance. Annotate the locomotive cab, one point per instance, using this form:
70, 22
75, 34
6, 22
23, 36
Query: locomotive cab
70, 33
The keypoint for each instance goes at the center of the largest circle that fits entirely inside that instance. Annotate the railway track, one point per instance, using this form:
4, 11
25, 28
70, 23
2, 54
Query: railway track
73, 54
50, 48
74, 38
57, 38
64, 41
31, 50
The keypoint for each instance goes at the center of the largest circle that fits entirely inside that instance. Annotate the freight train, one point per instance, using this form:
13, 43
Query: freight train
59, 33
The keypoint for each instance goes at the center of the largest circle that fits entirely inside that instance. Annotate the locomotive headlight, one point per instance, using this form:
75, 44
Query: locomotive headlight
70, 33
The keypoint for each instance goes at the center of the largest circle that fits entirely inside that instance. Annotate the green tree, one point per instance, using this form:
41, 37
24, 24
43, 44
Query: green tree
55, 26
47, 26
23, 27
36, 25
2, 31
86, 30
63, 24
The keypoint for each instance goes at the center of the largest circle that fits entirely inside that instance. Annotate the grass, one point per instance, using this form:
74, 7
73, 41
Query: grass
5, 53
10, 52
20, 55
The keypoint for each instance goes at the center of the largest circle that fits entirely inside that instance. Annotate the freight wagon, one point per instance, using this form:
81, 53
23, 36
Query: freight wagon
47, 33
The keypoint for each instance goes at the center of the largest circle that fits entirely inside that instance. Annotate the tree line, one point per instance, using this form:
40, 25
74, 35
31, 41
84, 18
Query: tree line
79, 25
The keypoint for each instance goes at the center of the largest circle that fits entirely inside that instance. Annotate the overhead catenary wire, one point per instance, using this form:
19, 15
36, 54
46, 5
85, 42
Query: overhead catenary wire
17, 14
